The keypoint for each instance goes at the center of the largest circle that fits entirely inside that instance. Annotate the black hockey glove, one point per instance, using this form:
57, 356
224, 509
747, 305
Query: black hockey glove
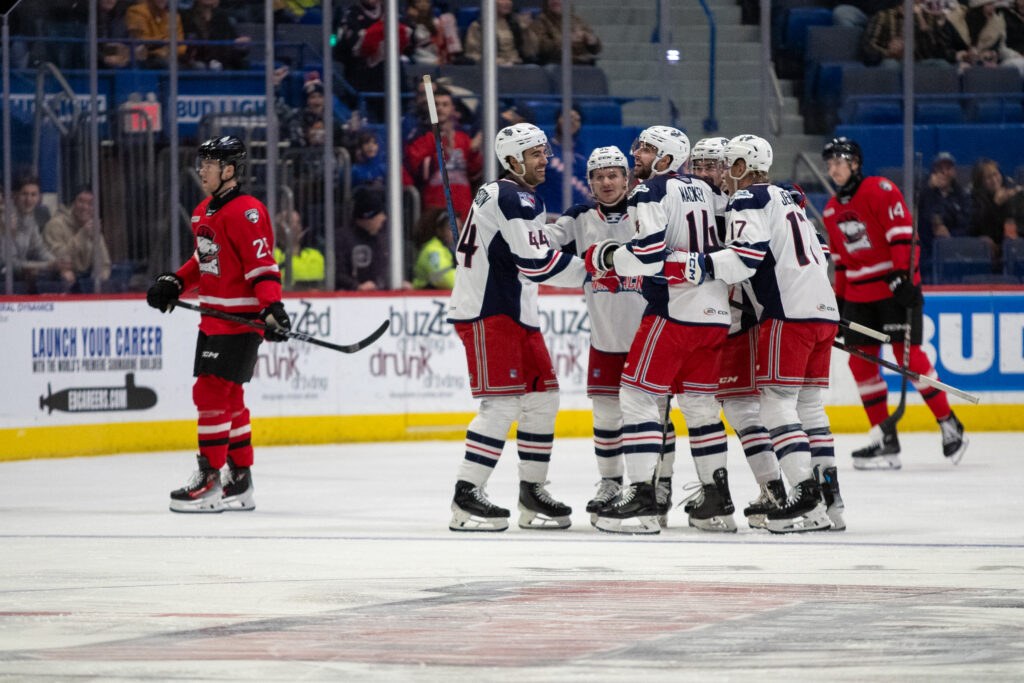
165, 291
276, 319
904, 291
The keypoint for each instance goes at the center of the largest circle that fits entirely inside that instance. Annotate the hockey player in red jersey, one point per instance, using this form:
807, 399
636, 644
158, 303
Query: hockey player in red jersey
870, 231
233, 266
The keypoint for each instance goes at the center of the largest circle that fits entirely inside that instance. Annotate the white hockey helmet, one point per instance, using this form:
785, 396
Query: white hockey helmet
607, 157
512, 141
752, 149
668, 141
709, 148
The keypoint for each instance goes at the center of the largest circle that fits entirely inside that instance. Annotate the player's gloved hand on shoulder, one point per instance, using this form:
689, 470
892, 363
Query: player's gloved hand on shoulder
903, 289
609, 282
276, 319
165, 291
598, 258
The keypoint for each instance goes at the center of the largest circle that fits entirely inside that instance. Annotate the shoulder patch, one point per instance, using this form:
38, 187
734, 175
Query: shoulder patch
638, 189
528, 200
481, 196
885, 185
253, 215
742, 194
829, 211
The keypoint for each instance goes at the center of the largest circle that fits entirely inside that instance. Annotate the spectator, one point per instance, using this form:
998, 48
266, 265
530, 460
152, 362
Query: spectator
360, 49
936, 40
856, 16
416, 121
435, 264
435, 40
362, 249
206, 21
983, 31
70, 237
368, 165
944, 208
546, 30
150, 20
551, 189
110, 30
997, 205
307, 263
297, 12
31, 256
512, 38
311, 130
464, 164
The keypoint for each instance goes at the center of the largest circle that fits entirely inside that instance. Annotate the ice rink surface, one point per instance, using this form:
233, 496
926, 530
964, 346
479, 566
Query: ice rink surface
347, 571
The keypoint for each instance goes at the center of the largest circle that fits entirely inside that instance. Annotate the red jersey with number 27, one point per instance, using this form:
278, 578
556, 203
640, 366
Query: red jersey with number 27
869, 238
233, 264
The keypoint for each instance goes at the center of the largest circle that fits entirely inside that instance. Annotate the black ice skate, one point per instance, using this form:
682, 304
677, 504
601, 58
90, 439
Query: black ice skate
663, 498
829, 482
954, 443
634, 511
804, 511
883, 453
202, 493
471, 511
538, 510
237, 489
773, 495
714, 510
607, 489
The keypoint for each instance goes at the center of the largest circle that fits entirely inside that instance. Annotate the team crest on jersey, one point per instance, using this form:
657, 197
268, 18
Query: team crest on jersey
481, 197
253, 215
528, 200
854, 231
742, 194
208, 250
638, 189
885, 185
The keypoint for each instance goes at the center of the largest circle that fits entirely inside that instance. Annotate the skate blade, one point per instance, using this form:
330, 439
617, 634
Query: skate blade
880, 462
718, 523
207, 505
815, 520
757, 521
647, 525
528, 519
464, 521
241, 503
956, 456
835, 515
663, 521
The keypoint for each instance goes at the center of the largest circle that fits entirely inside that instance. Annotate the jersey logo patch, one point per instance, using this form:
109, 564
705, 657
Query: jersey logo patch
855, 232
481, 197
528, 200
638, 189
253, 215
742, 194
885, 185
195, 219
208, 250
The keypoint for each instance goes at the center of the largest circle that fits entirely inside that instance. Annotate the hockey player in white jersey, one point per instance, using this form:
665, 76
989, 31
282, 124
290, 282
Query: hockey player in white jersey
707, 162
770, 241
615, 307
501, 256
677, 345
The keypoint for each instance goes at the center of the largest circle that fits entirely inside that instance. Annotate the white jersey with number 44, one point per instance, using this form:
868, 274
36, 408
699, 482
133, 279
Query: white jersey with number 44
502, 255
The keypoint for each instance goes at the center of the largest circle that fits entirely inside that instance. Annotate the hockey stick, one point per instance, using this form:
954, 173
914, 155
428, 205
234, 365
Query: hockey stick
664, 444
889, 423
301, 336
843, 322
432, 109
923, 379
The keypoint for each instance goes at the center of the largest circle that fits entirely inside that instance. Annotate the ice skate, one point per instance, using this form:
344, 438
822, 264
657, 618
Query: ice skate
692, 499
883, 453
607, 489
538, 510
954, 443
202, 493
663, 498
634, 511
773, 494
237, 489
471, 511
829, 482
804, 511
714, 511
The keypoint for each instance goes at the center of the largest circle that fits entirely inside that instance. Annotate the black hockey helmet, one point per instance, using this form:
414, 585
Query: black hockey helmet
843, 147
226, 149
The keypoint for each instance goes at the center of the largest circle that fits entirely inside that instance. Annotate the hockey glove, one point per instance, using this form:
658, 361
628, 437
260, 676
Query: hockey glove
276, 319
609, 282
904, 291
165, 292
598, 259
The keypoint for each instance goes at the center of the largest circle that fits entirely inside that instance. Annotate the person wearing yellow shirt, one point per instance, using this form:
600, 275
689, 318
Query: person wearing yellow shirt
307, 263
435, 265
149, 20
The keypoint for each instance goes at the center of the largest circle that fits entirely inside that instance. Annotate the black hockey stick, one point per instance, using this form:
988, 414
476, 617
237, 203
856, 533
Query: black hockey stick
664, 444
889, 423
432, 110
301, 336
843, 322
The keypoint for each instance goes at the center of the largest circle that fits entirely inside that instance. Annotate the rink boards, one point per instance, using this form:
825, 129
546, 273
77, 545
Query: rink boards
88, 375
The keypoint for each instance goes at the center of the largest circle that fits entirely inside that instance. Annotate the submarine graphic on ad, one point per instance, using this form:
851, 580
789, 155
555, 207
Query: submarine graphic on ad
99, 399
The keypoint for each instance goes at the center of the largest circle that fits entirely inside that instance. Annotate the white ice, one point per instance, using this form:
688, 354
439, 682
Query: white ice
347, 571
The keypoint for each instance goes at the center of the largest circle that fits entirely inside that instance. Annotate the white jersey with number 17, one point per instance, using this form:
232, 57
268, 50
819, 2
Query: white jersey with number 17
503, 254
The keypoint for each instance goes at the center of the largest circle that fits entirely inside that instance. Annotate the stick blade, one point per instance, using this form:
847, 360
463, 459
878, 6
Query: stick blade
363, 343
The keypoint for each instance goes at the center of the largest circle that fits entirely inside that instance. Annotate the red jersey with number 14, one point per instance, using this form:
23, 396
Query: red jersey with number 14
233, 264
870, 238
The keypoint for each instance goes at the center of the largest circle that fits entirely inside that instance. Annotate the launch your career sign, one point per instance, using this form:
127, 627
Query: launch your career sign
94, 360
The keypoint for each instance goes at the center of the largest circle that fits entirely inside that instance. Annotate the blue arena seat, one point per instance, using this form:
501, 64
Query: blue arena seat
591, 137
601, 113
1002, 85
936, 88
586, 80
955, 258
1013, 258
860, 84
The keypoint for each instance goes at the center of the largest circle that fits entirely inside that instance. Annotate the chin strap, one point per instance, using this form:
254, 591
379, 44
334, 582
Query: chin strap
847, 191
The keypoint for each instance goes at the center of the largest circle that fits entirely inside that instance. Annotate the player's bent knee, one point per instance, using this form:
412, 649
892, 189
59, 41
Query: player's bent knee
638, 406
212, 393
607, 413
699, 409
810, 407
778, 406
742, 413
